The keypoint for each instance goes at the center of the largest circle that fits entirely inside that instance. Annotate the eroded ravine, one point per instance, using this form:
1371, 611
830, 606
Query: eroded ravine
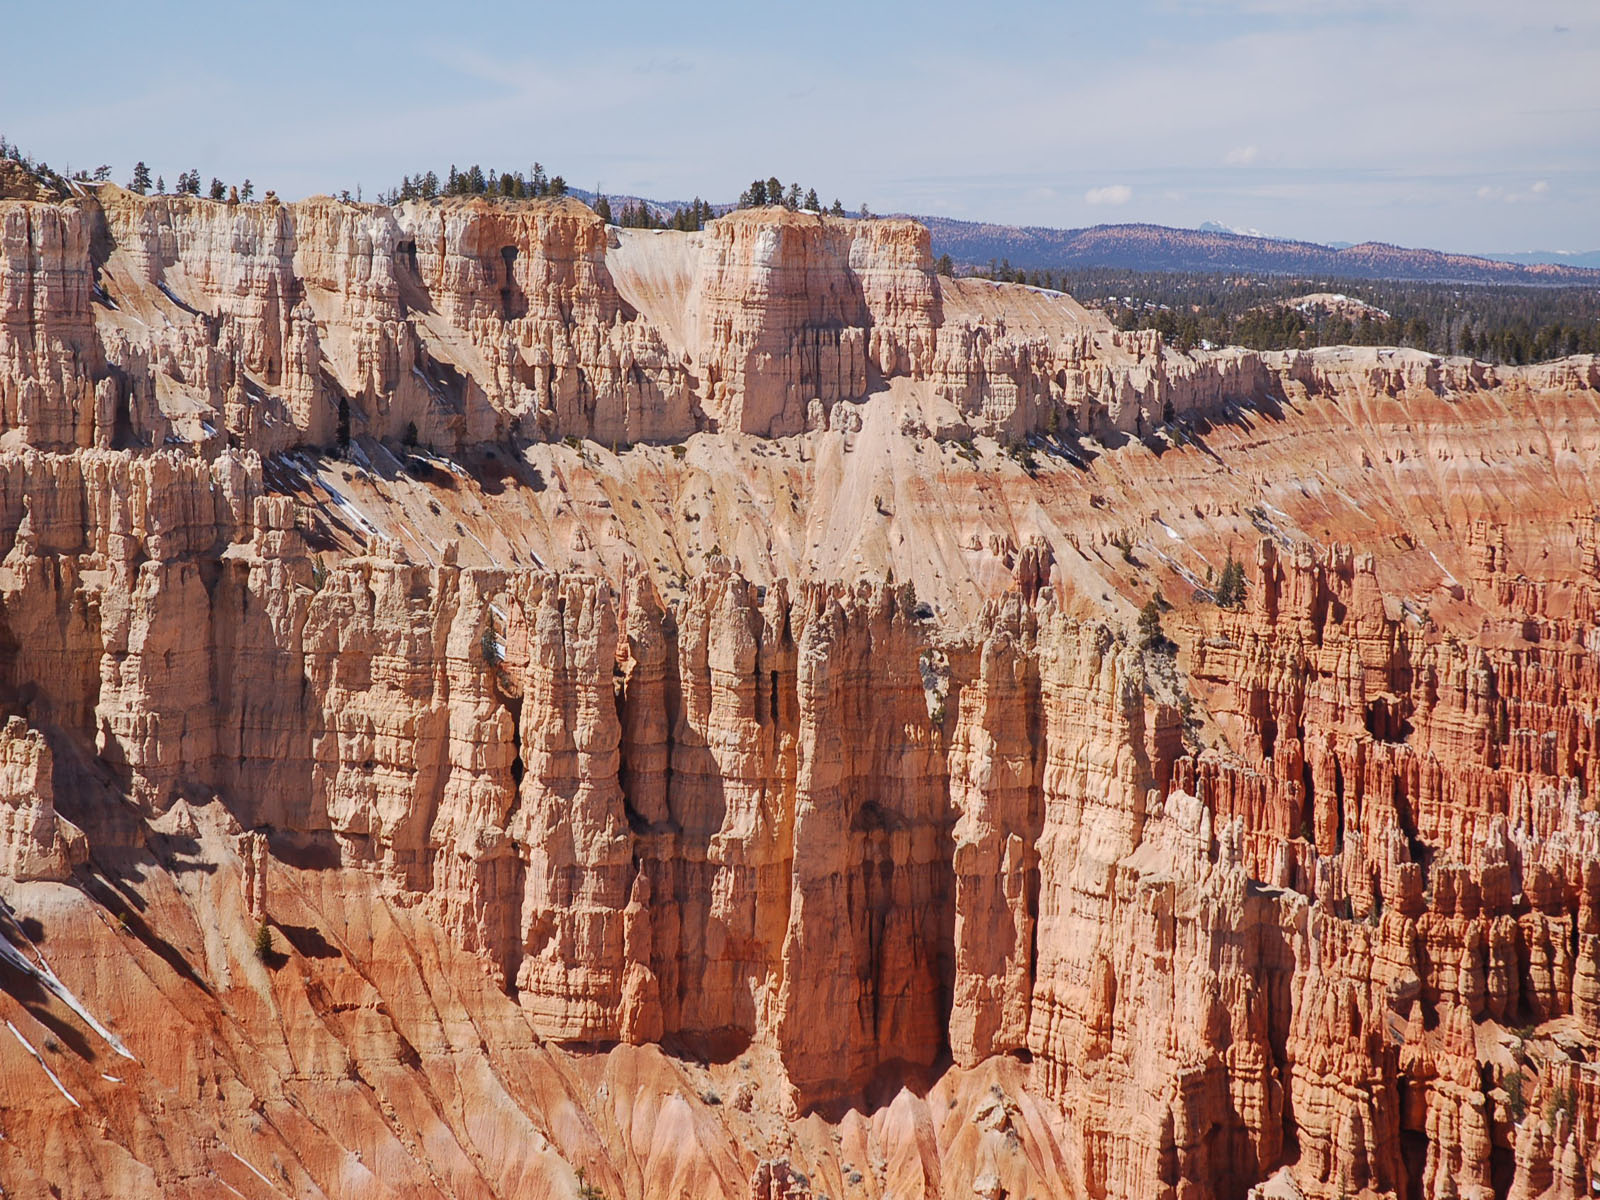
696, 728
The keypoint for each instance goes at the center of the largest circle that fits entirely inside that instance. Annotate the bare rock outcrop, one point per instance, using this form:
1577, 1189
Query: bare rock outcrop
157, 320
480, 808
36, 842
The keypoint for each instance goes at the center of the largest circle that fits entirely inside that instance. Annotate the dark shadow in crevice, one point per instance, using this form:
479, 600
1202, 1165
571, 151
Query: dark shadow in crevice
42, 1006
316, 850
308, 941
719, 1047
112, 894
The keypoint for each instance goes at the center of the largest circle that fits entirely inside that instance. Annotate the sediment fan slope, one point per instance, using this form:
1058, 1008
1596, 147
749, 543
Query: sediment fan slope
676, 703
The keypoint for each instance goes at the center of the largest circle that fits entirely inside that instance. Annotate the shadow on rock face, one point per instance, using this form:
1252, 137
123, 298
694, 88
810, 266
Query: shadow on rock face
308, 942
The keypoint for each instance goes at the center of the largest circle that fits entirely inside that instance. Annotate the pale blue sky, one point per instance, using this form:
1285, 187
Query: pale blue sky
1470, 125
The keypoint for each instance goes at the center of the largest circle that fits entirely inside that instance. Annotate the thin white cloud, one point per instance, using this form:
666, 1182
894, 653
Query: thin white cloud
1298, 164
1535, 191
1112, 194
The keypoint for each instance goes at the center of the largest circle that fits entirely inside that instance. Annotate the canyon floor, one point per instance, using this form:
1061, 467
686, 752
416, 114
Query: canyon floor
495, 705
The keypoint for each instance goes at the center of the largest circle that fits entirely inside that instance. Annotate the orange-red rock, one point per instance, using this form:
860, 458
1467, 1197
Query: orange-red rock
796, 810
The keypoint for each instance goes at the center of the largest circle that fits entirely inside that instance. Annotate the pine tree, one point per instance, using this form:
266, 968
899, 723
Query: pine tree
558, 186
263, 941
692, 218
219, 190
946, 266
602, 208
161, 185
812, 204
1231, 584
141, 179
1151, 635
837, 209
247, 191
774, 190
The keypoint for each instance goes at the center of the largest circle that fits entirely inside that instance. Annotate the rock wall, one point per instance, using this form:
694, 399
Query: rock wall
1309, 889
49, 356
711, 823
146, 321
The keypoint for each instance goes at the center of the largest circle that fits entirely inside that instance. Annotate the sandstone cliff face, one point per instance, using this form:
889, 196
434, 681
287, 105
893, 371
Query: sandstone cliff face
835, 766
48, 352
129, 320
798, 309
38, 842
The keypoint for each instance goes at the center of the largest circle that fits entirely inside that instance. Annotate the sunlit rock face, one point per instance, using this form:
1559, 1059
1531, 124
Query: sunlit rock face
484, 695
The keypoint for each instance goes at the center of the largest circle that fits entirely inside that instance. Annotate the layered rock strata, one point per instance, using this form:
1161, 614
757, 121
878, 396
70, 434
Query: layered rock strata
133, 320
722, 879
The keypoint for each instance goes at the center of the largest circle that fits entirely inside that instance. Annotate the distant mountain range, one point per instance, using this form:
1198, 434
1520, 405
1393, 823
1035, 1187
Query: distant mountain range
1214, 247
1564, 258
1161, 248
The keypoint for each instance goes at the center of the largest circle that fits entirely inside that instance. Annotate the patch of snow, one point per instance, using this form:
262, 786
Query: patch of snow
493, 561
41, 971
254, 1172
354, 513
441, 460
170, 294
1443, 568
339, 501
1183, 572
39, 1058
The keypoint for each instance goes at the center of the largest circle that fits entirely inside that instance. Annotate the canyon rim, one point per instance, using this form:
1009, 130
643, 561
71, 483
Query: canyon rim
496, 704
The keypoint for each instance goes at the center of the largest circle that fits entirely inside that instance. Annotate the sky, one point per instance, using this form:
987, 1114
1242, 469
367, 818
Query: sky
1466, 125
